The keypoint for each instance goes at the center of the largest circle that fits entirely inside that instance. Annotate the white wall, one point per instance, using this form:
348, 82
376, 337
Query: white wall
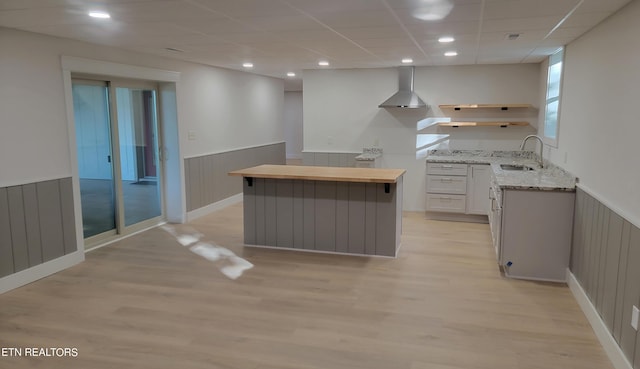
224, 109
599, 124
293, 123
341, 112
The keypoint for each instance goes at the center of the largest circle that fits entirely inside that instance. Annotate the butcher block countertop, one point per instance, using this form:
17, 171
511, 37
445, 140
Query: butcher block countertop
313, 173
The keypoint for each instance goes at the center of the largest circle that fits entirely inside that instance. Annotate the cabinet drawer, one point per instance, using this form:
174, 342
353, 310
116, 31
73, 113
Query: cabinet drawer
446, 203
447, 184
447, 169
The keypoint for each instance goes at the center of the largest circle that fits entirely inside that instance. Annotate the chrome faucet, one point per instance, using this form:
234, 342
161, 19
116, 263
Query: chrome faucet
524, 141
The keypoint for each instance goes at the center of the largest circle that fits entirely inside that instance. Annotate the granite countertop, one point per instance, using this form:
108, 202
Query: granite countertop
369, 154
549, 178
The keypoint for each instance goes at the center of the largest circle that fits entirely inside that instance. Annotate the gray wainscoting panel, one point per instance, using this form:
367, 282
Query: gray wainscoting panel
6, 249
206, 177
342, 217
259, 191
298, 214
605, 260
51, 229
331, 159
68, 215
37, 224
345, 217
249, 213
284, 213
357, 216
622, 280
18, 229
309, 216
325, 206
612, 261
32, 221
631, 295
370, 224
270, 213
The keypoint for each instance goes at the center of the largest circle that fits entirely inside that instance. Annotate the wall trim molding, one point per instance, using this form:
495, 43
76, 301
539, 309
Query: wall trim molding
10, 183
40, 271
232, 150
211, 208
614, 352
100, 67
630, 218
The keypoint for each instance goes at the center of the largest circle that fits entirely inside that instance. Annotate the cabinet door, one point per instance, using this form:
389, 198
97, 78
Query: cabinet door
478, 189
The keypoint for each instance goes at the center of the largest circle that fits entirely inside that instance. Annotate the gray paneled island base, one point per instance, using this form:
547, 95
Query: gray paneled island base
324, 209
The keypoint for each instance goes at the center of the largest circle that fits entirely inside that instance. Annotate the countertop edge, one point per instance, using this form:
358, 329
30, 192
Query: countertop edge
366, 178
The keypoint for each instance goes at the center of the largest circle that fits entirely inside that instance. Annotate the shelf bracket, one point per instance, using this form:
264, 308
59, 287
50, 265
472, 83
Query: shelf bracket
387, 187
249, 181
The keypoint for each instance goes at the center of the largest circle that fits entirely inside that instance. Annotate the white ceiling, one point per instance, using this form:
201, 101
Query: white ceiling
280, 36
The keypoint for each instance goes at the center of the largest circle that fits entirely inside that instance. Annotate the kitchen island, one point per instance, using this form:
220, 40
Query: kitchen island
323, 209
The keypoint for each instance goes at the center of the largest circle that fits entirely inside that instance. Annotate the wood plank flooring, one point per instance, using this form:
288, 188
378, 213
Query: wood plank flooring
149, 302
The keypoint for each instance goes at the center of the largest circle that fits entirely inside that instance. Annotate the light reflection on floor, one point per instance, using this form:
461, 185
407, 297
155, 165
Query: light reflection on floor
229, 264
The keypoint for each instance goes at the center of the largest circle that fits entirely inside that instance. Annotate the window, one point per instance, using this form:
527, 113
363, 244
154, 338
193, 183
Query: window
552, 103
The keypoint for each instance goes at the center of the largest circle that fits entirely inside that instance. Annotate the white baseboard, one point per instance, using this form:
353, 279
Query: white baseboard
609, 344
32, 274
205, 210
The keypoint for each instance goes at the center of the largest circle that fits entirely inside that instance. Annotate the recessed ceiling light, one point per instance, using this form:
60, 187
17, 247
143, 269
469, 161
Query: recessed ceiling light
101, 15
451, 53
407, 61
512, 36
291, 74
323, 63
173, 49
446, 39
247, 65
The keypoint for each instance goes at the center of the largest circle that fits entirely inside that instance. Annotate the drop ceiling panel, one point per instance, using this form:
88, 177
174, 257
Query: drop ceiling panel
367, 18
282, 23
527, 9
460, 13
282, 35
245, 8
585, 19
519, 24
608, 6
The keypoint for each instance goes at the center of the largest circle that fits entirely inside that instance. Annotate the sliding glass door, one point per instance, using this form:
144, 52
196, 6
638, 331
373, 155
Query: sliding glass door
95, 167
138, 134
118, 145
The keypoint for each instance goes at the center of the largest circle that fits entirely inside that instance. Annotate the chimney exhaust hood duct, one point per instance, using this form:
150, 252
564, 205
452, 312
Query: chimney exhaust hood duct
405, 97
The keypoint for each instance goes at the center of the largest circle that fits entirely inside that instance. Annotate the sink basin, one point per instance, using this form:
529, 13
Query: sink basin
515, 167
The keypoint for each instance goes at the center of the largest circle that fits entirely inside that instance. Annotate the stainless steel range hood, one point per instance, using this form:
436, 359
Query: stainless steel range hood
405, 97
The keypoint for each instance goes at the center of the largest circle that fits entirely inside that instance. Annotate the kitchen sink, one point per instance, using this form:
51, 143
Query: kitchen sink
515, 167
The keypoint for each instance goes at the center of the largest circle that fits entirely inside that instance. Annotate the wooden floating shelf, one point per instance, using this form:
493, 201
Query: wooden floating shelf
486, 106
482, 124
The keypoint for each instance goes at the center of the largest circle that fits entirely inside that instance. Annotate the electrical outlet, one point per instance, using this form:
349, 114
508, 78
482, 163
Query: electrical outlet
329, 140
191, 135
376, 142
634, 317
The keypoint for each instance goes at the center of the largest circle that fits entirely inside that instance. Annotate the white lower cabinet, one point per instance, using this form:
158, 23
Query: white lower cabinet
478, 178
458, 188
533, 239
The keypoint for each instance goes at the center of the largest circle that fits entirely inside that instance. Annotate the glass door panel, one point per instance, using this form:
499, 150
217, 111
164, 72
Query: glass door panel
93, 141
138, 138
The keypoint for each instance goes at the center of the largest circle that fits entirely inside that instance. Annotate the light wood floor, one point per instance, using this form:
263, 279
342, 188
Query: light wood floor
148, 302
